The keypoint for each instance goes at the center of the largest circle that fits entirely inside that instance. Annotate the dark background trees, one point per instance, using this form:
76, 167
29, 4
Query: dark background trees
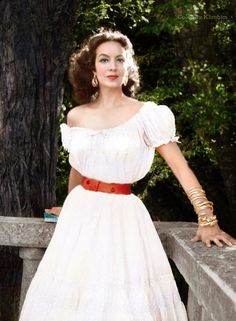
35, 42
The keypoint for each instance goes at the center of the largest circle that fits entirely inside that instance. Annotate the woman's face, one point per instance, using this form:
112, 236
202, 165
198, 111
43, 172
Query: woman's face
111, 64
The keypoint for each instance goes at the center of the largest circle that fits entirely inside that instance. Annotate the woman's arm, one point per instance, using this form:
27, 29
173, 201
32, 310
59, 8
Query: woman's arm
75, 178
179, 166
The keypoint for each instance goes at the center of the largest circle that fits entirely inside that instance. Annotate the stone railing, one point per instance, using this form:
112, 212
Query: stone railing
209, 273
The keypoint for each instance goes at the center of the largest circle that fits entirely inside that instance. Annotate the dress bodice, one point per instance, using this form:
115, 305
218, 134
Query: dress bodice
124, 153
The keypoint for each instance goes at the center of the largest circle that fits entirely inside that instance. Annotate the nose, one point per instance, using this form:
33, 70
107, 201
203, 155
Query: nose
112, 65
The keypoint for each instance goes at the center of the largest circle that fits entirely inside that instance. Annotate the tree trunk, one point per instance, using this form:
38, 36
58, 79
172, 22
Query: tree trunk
35, 42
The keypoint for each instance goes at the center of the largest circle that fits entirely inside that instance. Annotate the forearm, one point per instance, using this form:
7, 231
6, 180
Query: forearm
186, 177
188, 180
75, 178
179, 166
208, 230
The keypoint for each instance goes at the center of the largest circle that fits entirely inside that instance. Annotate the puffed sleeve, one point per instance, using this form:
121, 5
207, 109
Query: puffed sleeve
66, 136
159, 125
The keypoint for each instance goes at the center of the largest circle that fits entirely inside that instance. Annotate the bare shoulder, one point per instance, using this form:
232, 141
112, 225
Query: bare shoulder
75, 114
134, 103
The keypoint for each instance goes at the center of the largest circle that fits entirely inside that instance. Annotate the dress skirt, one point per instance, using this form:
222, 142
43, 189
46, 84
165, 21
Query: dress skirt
105, 262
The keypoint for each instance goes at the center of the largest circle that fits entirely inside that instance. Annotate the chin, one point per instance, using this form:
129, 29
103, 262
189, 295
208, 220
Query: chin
115, 86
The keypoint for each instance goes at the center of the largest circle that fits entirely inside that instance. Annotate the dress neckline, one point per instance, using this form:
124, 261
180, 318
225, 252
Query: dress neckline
133, 117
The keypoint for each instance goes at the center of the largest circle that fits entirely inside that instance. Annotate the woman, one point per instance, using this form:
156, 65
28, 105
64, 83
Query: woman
105, 261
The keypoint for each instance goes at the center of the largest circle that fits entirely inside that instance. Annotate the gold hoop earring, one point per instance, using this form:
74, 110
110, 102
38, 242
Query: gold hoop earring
126, 80
95, 80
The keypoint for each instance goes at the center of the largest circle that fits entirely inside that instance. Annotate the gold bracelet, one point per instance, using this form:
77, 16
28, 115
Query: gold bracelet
198, 199
199, 208
205, 203
195, 188
208, 220
208, 224
203, 214
194, 192
197, 196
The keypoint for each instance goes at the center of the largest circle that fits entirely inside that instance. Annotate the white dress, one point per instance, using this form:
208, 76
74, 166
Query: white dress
105, 261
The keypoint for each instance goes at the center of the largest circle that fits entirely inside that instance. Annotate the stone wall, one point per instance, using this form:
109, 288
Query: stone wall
210, 273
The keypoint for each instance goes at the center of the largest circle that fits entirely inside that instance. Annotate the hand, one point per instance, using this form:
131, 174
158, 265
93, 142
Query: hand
53, 210
208, 234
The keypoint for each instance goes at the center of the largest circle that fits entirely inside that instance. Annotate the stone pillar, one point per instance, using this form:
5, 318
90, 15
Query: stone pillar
31, 258
193, 307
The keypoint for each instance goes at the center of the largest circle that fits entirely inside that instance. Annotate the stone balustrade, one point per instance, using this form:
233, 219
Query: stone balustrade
209, 273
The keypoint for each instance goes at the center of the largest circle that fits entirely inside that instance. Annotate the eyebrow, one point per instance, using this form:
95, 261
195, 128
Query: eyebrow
102, 54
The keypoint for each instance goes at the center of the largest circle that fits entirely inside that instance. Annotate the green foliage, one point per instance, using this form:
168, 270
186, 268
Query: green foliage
185, 50
114, 14
209, 98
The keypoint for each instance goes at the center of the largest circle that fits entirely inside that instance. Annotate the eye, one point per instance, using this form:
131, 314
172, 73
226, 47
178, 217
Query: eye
121, 60
103, 60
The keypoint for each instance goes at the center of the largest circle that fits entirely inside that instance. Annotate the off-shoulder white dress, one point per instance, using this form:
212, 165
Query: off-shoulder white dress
105, 261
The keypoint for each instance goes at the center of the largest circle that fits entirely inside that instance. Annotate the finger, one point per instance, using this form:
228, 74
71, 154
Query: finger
217, 242
231, 240
196, 238
228, 238
227, 241
53, 210
208, 243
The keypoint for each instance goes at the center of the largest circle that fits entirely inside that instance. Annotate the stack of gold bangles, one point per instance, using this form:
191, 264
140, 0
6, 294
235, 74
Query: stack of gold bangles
200, 203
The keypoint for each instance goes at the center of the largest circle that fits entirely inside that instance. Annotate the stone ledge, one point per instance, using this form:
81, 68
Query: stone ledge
210, 273
25, 232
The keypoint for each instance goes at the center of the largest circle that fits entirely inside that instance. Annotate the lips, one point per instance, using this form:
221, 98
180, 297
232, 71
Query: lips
112, 77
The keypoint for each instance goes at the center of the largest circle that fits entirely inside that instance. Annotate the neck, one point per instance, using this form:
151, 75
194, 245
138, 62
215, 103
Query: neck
110, 97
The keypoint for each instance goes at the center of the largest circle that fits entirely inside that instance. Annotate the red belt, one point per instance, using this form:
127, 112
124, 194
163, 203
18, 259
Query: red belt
98, 186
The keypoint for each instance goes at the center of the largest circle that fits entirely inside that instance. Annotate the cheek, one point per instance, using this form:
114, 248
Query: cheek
99, 68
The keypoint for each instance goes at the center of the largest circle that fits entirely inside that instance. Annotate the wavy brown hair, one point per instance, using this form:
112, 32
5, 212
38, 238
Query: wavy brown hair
82, 65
